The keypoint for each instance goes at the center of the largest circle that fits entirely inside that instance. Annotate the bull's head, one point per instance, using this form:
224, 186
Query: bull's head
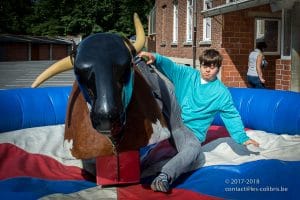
103, 68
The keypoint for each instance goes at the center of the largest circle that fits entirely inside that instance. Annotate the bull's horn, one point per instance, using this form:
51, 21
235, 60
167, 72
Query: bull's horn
140, 33
58, 67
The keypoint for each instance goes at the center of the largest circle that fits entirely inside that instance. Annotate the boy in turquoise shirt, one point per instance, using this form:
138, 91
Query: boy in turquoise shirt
200, 95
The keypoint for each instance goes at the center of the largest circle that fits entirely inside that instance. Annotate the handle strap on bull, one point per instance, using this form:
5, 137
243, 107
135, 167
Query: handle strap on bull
130, 47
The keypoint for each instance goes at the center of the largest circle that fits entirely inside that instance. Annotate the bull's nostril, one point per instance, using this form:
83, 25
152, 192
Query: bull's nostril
107, 124
102, 125
104, 132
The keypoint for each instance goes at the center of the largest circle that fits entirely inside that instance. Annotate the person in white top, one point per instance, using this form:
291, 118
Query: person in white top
255, 64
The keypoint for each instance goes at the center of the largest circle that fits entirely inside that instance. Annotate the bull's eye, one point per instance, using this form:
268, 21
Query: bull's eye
91, 94
119, 84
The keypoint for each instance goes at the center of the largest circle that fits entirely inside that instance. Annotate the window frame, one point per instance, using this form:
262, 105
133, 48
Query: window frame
278, 52
283, 36
189, 21
205, 21
175, 22
152, 21
230, 1
206, 30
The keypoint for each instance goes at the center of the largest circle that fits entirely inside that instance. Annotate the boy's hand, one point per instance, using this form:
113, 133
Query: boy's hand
250, 141
150, 58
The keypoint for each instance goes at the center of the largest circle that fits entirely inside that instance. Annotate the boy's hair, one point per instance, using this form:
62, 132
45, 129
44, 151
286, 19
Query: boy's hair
211, 56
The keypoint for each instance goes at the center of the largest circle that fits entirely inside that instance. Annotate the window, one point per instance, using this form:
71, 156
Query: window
260, 29
163, 25
189, 21
286, 34
207, 21
175, 21
152, 21
268, 30
207, 29
230, 1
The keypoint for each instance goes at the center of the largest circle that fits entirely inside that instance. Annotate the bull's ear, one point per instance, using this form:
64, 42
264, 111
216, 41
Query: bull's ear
140, 33
74, 46
58, 67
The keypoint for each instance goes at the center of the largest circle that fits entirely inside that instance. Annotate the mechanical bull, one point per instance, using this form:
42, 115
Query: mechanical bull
111, 108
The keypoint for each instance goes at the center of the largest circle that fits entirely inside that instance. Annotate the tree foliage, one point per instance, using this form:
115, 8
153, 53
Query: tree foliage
12, 13
71, 17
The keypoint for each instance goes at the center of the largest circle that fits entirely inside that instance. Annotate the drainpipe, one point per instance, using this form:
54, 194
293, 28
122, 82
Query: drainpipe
195, 32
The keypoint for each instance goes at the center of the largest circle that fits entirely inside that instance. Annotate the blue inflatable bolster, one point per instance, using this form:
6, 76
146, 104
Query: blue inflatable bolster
28, 107
269, 110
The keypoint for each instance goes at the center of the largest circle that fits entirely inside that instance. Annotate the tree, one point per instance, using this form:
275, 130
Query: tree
71, 17
12, 15
126, 10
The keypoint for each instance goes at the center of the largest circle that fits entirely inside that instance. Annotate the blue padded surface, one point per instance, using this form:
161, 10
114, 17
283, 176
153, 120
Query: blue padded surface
269, 110
28, 107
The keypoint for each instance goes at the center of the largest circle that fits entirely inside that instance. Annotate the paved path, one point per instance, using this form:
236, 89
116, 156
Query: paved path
22, 74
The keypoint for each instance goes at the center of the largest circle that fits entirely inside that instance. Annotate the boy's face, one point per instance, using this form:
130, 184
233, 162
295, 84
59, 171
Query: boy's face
209, 73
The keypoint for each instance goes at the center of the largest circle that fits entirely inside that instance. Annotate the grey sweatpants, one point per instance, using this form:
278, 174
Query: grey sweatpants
189, 155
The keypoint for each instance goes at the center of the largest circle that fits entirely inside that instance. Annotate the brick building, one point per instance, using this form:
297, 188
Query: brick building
232, 27
27, 48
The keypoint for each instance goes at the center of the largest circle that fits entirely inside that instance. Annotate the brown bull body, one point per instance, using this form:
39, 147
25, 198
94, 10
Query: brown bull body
142, 113
111, 108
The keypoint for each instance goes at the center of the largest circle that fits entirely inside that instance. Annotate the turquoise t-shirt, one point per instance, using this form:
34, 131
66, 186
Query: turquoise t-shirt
201, 102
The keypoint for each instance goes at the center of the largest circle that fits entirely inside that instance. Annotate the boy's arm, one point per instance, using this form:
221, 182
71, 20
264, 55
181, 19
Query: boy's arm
234, 125
233, 122
170, 69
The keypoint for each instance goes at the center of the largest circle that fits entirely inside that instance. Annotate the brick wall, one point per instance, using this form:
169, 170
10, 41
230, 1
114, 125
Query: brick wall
164, 30
283, 74
237, 43
270, 72
164, 27
232, 35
